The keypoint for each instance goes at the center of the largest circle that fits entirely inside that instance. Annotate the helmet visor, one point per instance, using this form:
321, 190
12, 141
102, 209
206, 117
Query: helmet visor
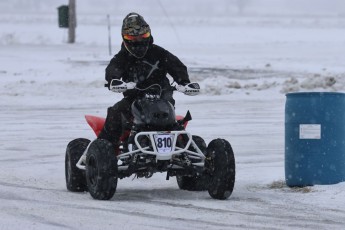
137, 37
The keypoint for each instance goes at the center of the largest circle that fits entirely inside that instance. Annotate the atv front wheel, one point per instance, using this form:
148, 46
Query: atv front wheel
75, 177
101, 169
194, 183
220, 162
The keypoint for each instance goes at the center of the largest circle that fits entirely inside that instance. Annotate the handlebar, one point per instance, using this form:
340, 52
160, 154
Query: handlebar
119, 86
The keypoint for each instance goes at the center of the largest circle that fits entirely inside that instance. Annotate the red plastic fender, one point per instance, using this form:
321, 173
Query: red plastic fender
179, 117
96, 123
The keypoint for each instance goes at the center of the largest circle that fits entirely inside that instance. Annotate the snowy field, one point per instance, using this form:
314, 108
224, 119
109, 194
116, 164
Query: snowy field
246, 58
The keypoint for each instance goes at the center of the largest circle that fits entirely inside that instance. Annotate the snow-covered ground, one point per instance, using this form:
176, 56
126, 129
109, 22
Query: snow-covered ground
246, 57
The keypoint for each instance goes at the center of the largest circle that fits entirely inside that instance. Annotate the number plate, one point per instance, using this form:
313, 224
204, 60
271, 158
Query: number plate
164, 142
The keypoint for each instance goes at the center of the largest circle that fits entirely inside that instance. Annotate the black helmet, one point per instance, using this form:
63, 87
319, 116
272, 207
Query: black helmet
136, 35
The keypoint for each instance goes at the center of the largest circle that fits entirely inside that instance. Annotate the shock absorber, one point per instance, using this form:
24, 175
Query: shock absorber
131, 138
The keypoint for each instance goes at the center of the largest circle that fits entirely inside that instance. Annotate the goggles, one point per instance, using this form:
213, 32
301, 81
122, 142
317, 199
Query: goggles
136, 38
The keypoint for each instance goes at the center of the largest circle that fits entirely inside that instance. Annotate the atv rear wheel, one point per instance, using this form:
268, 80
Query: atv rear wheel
75, 177
194, 183
221, 165
101, 169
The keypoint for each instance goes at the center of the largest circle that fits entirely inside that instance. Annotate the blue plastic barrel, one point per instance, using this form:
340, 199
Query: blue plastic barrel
314, 138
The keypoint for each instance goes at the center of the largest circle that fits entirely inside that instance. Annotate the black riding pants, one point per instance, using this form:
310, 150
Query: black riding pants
112, 129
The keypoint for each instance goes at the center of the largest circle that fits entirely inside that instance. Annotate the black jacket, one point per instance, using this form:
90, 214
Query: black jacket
151, 69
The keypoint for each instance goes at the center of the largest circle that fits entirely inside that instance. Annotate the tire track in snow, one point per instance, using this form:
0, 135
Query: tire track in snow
302, 216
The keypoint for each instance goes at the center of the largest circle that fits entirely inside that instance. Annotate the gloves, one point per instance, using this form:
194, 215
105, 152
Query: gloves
119, 86
131, 85
180, 88
190, 89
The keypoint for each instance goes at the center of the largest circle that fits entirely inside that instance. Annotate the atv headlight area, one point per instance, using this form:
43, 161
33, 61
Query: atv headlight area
164, 145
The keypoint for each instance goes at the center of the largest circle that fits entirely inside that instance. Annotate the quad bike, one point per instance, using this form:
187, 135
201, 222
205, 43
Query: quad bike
155, 140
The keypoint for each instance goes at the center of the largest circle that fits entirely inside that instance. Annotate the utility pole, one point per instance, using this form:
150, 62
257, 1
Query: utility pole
72, 21
109, 34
